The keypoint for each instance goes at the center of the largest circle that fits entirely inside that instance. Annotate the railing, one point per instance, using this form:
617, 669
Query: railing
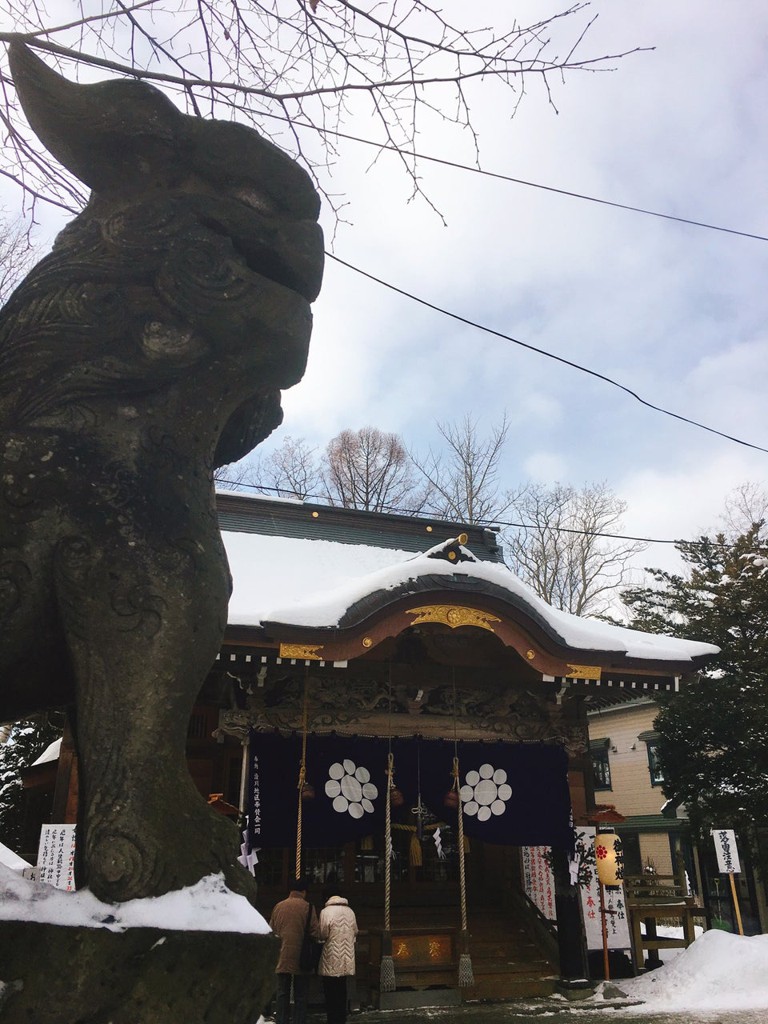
651, 898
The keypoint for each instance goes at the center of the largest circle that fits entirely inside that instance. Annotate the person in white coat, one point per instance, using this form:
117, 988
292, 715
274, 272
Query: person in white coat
338, 930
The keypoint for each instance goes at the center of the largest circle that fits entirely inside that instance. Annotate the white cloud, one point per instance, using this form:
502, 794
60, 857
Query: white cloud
545, 467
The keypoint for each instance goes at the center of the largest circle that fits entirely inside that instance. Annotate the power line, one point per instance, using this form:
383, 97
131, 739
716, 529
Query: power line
549, 355
418, 513
522, 181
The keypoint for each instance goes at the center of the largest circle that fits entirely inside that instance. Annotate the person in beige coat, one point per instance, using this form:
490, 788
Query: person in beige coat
288, 922
338, 930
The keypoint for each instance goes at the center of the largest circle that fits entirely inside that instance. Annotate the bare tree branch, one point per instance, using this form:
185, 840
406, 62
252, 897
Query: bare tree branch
17, 253
370, 469
558, 551
319, 63
463, 478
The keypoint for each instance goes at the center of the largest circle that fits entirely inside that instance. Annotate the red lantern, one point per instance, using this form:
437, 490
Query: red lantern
396, 798
451, 799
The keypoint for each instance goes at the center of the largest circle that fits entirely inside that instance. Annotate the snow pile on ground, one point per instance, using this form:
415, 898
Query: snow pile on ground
207, 906
719, 971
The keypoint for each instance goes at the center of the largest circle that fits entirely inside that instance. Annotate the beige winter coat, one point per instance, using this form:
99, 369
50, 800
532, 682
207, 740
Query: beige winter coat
288, 921
338, 930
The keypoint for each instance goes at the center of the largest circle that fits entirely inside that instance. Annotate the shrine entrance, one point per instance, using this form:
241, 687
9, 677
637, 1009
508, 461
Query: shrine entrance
513, 955
426, 695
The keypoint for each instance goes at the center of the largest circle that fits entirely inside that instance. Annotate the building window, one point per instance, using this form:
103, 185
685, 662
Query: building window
651, 740
657, 777
601, 768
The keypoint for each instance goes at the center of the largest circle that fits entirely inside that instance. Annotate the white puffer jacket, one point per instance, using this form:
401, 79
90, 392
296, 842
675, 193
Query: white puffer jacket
338, 929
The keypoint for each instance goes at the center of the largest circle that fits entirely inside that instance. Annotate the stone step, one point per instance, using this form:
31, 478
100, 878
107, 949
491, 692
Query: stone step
507, 987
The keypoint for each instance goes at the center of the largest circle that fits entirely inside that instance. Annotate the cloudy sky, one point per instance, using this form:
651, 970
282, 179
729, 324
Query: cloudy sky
675, 312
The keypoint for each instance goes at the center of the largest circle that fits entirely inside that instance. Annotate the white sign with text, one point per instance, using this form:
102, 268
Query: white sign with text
616, 916
56, 856
725, 848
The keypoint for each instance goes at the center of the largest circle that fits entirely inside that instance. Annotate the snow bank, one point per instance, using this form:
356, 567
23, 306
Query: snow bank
208, 906
719, 971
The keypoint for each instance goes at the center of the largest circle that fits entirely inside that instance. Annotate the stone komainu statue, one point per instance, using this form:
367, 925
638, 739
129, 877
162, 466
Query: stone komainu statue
145, 351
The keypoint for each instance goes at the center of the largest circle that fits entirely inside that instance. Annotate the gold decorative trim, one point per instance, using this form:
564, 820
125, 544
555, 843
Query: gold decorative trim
301, 652
583, 672
367, 642
530, 655
453, 615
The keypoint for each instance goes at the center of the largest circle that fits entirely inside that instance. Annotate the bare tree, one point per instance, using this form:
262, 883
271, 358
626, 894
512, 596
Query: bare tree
290, 471
745, 507
296, 69
463, 477
16, 253
370, 469
236, 476
559, 551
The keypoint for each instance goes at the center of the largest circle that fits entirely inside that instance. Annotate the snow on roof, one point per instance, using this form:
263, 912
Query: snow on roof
51, 753
208, 906
313, 583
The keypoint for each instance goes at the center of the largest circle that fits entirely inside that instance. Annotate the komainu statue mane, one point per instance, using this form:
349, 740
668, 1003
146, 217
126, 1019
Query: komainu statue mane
146, 350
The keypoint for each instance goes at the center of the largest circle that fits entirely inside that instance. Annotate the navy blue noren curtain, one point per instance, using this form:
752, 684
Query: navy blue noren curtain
511, 794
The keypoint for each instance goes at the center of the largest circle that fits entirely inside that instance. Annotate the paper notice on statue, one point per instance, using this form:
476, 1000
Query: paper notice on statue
56, 856
725, 848
538, 880
616, 917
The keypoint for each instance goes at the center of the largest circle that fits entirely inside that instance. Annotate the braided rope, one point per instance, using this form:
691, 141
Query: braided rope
462, 866
302, 777
387, 980
388, 843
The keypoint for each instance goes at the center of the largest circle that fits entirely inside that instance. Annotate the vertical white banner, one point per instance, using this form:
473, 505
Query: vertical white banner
56, 856
538, 879
725, 848
616, 917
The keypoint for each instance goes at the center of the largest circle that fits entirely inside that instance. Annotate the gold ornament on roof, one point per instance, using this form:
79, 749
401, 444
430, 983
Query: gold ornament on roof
454, 616
583, 672
301, 652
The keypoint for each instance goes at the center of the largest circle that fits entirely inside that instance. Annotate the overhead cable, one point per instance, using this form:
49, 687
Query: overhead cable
549, 355
480, 523
522, 181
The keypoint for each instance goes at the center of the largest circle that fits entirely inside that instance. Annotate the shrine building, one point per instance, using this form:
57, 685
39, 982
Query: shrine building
368, 652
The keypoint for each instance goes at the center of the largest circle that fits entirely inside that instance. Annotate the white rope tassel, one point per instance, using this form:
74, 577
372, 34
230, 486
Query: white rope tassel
466, 977
387, 981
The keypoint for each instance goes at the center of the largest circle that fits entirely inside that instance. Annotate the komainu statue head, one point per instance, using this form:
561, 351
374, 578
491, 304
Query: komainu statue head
147, 349
198, 253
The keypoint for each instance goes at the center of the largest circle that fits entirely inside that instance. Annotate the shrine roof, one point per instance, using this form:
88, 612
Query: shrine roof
326, 574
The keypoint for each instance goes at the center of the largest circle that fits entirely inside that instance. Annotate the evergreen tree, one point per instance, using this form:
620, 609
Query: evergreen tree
712, 735
25, 743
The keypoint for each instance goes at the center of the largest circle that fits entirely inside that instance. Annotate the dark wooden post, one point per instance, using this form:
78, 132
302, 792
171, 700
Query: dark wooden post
65, 793
571, 940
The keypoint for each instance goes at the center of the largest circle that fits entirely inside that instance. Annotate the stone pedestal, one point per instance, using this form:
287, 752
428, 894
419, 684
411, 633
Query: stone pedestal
57, 975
